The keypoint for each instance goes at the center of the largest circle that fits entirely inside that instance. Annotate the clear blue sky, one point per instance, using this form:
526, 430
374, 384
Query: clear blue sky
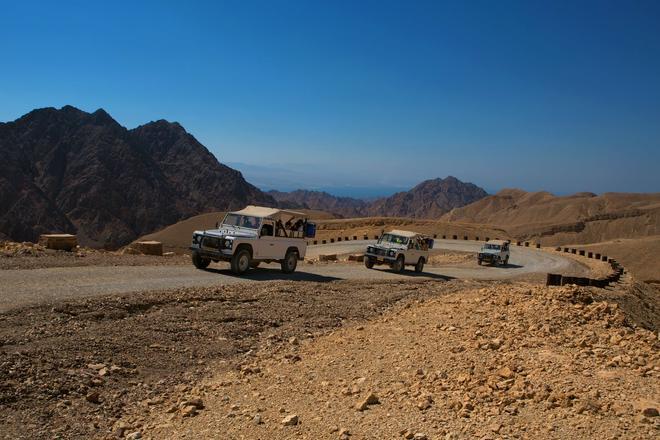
562, 96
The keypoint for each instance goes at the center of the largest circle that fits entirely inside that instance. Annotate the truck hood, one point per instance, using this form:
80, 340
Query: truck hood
229, 231
489, 251
389, 246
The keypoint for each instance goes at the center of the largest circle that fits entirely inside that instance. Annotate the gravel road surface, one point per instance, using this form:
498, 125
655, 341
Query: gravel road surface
24, 287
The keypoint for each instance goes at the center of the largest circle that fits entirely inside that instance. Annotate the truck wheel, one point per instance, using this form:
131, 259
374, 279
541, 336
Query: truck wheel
199, 262
290, 262
369, 263
240, 261
399, 264
255, 264
479, 261
419, 267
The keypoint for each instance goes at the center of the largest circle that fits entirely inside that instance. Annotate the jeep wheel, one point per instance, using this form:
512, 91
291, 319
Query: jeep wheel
369, 263
419, 267
399, 264
290, 262
199, 262
479, 261
240, 261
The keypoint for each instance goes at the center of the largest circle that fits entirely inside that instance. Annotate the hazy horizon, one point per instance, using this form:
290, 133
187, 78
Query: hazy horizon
558, 96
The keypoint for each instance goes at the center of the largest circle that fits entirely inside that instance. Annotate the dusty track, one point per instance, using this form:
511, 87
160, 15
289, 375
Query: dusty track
21, 287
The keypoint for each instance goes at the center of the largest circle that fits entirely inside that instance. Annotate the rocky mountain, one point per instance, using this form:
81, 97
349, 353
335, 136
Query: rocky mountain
304, 199
68, 170
429, 199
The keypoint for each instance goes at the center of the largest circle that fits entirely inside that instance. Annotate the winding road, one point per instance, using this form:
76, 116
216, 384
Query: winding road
25, 287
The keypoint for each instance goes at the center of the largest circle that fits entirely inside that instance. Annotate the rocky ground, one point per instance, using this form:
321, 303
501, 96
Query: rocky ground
344, 359
28, 255
73, 370
496, 361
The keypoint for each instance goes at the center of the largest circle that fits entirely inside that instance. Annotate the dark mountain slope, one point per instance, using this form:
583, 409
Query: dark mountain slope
72, 171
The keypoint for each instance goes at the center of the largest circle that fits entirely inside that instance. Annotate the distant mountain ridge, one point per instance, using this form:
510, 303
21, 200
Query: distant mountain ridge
579, 218
429, 199
68, 170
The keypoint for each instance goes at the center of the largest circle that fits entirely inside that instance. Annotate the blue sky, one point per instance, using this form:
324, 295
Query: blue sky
561, 96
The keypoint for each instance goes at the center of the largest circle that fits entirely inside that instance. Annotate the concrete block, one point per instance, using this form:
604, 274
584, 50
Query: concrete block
149, 247
61, 242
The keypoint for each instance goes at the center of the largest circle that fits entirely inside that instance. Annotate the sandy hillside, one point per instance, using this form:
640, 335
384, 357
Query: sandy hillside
372, 226
579, 218
639, 255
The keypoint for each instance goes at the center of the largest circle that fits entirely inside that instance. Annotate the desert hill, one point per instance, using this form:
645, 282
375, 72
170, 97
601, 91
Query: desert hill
429, 199
578, 218
71, 171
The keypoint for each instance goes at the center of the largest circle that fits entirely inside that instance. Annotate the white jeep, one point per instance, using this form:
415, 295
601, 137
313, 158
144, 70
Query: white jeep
254, 235
495, 252
399, 249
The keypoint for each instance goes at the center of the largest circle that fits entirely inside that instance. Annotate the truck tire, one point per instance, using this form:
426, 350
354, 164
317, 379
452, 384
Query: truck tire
479, 261
368, 263
290, 262
419, 267
240, 261
199, 262
399, 264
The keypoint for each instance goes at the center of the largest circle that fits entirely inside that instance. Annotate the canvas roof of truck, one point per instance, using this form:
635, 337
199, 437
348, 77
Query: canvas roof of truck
408, 234
500, 242
274, 213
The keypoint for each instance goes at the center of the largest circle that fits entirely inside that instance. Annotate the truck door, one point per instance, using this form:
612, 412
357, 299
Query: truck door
265, 248
412, 254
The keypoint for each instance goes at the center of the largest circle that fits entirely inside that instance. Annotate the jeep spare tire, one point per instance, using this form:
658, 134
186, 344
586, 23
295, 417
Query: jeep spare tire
199, 262
290, 261
240, 261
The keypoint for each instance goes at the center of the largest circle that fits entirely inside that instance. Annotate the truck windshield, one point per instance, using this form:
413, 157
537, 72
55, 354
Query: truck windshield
242, 221
391, 238
495, 247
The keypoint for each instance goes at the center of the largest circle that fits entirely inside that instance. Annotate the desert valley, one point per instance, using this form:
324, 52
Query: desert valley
107, 341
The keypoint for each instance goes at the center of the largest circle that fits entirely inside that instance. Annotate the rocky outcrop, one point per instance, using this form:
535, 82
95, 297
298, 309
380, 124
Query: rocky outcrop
67, 170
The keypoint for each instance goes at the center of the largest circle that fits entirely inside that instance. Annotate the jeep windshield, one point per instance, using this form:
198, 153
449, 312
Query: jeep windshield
241, 221
395, 239
494, 247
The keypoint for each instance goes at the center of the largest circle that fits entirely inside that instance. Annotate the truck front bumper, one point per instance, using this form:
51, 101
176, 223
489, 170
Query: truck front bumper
213, 254
380, 259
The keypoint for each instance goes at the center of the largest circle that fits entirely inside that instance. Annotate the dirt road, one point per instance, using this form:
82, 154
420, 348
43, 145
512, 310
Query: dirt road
21, 287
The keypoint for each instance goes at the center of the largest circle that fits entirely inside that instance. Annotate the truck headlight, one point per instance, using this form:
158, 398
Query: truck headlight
370, 249
391, 253
227, 244
195, 239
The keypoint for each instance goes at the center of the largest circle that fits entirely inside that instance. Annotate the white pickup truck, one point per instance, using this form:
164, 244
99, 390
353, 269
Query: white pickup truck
254, 235
399, 249
495, 252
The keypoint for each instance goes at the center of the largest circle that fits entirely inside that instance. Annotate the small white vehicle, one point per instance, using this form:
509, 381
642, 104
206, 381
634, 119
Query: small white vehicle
252, 236
399, 249
495, 252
